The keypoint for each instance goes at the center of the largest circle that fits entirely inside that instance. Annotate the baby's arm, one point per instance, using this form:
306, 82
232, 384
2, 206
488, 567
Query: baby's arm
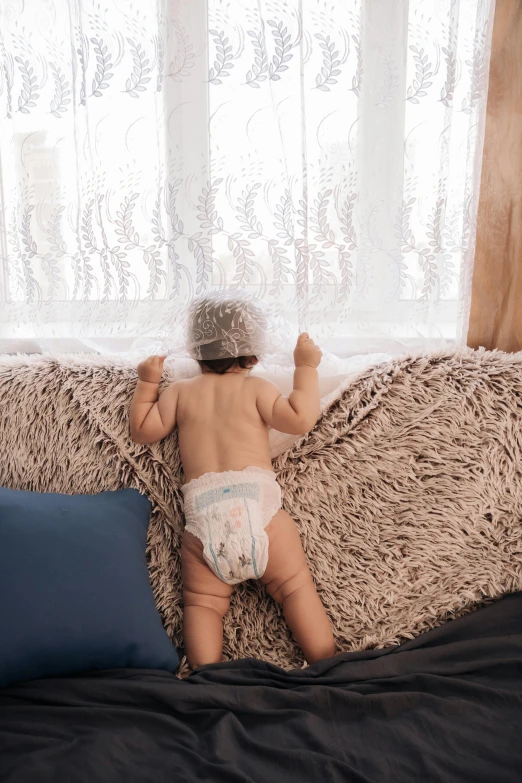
152, 419
297, 413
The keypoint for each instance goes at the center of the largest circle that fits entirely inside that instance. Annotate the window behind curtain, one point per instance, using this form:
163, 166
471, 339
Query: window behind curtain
325, 155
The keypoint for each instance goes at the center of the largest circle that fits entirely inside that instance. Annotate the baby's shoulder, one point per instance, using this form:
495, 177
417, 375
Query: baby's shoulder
178, 386
263, 387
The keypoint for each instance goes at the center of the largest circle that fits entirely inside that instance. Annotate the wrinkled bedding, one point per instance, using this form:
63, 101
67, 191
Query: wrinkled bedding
444, 707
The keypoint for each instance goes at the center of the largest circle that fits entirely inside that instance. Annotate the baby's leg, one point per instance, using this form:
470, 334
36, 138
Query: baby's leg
206, 600
289, 582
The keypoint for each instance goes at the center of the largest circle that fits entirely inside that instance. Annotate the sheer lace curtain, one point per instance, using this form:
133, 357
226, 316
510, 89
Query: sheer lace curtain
324, 155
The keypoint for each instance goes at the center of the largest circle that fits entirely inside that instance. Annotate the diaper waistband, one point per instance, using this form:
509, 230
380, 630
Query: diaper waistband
214, 479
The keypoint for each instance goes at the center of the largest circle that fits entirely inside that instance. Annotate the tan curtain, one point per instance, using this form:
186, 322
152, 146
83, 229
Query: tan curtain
496, 306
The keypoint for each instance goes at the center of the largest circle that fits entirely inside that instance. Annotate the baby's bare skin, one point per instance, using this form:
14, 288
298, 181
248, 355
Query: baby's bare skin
219, 413
223, 423
228, 415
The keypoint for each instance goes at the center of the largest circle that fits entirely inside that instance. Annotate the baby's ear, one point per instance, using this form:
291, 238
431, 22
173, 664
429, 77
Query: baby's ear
255, 361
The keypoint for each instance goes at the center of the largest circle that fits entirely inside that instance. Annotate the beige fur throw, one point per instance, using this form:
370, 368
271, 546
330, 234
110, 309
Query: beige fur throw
408, 493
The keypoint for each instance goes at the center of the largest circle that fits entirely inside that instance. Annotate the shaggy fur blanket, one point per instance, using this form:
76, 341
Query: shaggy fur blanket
407, 493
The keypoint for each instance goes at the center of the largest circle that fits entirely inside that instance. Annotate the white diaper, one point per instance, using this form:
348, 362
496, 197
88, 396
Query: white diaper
228, 512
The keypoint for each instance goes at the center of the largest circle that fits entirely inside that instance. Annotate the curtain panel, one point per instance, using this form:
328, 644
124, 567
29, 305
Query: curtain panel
496, 312
324, 155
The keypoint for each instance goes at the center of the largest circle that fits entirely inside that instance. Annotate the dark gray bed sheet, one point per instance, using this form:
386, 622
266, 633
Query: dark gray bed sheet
444, 707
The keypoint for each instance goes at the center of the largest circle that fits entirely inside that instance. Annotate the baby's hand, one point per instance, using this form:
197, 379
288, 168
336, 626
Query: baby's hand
151, 369
306, 353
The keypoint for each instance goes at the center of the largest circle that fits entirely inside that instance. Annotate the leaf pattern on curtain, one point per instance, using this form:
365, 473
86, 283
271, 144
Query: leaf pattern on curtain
325, 155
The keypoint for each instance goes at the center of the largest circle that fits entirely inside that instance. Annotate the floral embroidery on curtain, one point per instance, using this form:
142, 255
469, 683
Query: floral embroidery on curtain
324, 155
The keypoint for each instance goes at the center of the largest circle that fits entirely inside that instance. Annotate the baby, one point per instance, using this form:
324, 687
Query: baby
235, 526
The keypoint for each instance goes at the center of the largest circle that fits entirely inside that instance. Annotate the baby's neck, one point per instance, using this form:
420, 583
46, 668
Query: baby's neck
232, 371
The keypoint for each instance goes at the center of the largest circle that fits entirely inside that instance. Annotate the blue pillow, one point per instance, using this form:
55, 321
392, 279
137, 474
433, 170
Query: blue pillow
74, 586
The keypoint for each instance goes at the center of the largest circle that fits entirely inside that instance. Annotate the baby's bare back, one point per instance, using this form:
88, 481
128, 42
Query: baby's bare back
223, 420
220, 427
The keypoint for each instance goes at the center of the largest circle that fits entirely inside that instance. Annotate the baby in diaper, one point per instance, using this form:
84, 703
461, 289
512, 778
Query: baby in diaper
235, 526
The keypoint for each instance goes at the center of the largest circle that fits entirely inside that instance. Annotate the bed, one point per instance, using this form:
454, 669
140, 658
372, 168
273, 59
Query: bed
408, 498
446, 706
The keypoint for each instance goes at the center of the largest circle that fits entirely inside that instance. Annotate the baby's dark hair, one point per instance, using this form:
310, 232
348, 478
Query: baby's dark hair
227, 332
221, 366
